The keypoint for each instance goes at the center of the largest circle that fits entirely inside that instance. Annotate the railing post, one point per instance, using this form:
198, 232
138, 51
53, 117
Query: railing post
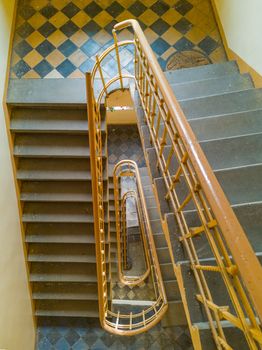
118, 59
95, 192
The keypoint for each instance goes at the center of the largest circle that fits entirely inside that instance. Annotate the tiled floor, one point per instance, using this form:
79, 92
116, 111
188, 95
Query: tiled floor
124, 143
91, 336
60, 38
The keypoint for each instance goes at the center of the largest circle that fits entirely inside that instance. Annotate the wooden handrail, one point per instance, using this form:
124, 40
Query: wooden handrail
233, 233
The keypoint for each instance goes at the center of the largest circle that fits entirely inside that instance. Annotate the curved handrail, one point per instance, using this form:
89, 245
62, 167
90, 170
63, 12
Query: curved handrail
149, 77
122, 232
153, 314
234, 235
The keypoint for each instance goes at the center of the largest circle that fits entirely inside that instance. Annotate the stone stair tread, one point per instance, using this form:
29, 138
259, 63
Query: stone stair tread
57, 212
223, 104
56, 191
78, 253
63, 272
201, 72
50, 120
69, 169
30, 145
65, 291
66, 308
222, 126
215, 86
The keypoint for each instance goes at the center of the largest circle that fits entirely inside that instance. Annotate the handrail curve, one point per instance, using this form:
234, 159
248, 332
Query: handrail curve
242, 252
236, 261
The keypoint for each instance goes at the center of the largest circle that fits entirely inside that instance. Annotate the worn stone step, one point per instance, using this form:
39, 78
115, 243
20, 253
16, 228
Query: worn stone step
249, 216
51, 145
223, 104
69, 169
66, 308
57, 212
60, 233
64, 291
172, 290
163, 255
210, 71
54, 191
223, 126
60, 252
175, 315
73, 121
159, 239
221, 154
63, 272
202, 88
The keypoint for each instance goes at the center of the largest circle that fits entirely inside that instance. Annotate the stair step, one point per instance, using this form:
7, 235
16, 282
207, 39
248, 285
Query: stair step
210, 71
175, 315
57, 212
172, 290
63, 272
202, 88
225, 153
163, 255
53, 169
65, 291
233, 152
249, 216
50, 120
167, 271
224, 104
54, 191
59, 233
222, 126
66, 308
59, 252
51, 145
160, 241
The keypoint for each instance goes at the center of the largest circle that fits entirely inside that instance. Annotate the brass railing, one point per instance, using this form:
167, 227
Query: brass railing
122, 235
116, 322
128, 168
184, 165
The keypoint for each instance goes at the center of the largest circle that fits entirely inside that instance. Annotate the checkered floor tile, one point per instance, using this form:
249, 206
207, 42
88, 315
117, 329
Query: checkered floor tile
90, 336
60, 38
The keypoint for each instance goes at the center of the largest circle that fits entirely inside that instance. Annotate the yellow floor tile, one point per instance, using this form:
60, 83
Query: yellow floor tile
77, 58
218, 55
76, 74
60, 4
148, 17
80, 19
59, 19
124, 16
103, 18
81, 3
33, 58
195, 16
171, 16
57, 38
150, 35
195, 35
79, 38
171, 36
55, 58
102, 37
31, 75
37, 20
35, 39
